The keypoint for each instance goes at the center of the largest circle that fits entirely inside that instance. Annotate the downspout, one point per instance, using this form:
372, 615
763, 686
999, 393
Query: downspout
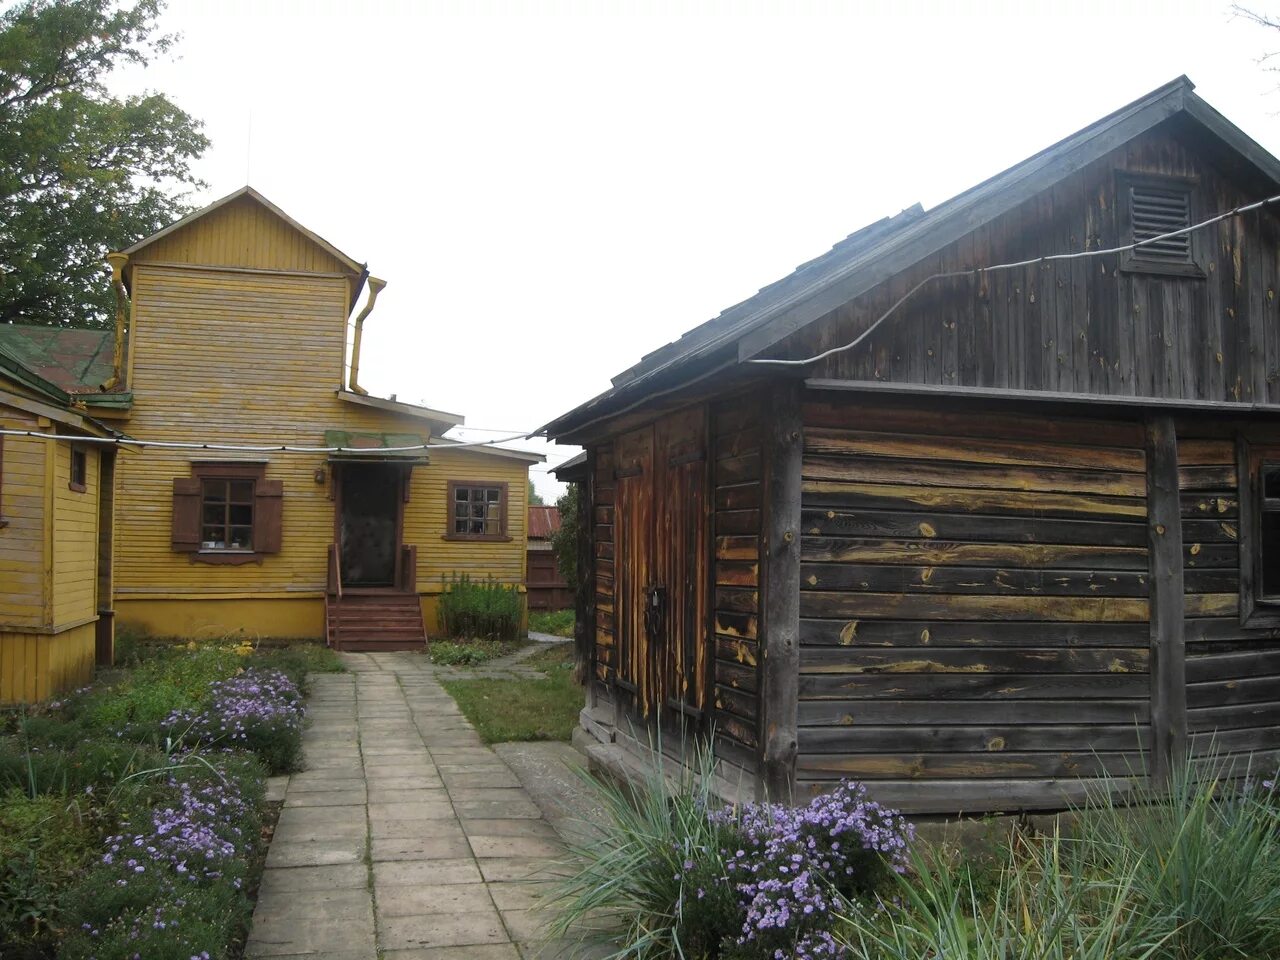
375, 287
117, 261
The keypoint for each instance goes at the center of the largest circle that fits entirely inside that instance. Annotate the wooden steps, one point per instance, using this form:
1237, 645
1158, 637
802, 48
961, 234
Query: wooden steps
375, 622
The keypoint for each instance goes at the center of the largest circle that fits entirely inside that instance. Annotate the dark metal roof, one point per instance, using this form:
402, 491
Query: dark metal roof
543, 522
885, 248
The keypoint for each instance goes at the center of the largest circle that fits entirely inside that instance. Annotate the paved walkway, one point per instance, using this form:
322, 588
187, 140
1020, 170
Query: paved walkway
405, 838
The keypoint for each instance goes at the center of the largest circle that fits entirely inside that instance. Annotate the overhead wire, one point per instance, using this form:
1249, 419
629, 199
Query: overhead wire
1014, 265
255, 448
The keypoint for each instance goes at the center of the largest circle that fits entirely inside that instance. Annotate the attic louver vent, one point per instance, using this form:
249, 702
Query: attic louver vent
1156, 212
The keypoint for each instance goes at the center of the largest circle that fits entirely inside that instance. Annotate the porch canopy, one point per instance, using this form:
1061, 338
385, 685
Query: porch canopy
364, 447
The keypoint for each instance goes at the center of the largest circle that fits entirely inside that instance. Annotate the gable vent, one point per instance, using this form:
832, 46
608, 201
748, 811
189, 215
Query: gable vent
1156, 212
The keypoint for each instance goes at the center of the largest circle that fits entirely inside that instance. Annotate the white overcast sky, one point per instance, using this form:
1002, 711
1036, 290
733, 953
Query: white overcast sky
552, 189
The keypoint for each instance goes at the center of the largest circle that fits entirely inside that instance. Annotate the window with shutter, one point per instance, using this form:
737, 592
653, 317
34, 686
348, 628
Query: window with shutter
1153, 210
227, 513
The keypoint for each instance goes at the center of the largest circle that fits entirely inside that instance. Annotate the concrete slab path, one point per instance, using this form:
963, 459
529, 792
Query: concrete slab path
405, 838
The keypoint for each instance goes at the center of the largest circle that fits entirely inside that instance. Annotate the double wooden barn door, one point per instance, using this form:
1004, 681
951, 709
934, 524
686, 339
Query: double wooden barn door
660, 566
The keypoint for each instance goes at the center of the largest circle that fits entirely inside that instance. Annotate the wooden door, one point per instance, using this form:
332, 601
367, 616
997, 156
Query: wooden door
633, 561
660, 566
370, 498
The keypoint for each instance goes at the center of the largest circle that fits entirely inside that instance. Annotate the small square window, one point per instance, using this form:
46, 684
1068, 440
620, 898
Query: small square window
226, 510
79, 470
479, 511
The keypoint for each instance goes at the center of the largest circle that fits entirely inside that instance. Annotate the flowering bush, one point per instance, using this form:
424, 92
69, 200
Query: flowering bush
682, 876
257, 710
171, 883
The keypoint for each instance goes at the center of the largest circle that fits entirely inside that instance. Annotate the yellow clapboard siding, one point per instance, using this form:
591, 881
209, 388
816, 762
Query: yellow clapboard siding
22, 540
249, 358
75, 539
35, 667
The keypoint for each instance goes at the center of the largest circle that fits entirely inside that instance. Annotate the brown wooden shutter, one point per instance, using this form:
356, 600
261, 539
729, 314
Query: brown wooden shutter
186, 514
268, 516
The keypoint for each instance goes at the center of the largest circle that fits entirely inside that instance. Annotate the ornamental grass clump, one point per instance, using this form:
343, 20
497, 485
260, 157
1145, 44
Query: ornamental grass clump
677, 874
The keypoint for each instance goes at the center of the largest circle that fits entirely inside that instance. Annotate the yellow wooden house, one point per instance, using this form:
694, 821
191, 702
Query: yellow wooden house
55, 512
238, 336
233, 332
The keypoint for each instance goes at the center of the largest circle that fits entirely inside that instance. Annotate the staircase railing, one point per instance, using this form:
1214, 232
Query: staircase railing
333, 589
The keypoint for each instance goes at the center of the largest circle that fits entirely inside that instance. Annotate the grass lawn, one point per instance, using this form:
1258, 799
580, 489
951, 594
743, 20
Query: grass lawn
470, 653
542, 709
558, 623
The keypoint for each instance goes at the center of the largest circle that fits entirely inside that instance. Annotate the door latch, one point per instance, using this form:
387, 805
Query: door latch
655, 610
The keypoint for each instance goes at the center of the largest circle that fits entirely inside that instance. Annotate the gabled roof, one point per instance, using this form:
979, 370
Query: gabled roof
875, 253
67, 364
356, 269
248, 191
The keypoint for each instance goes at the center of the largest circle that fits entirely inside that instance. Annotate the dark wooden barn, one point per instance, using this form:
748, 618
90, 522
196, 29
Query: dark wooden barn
1024, 533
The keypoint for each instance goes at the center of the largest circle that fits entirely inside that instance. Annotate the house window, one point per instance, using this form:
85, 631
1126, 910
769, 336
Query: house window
1268, 546
1152, 207
226, 508
477, 510
79, 470
227, 512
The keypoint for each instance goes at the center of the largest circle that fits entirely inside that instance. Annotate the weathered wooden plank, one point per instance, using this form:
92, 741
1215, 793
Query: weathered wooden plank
877, 496
1198, 452
737, 548
737, 676
736, 600
1234, 716
780, 615
935, 766
938, 712
1210, 531
740, 625
737, 650
1256, 740
737, 573
1211, 555
1225, 629
742, 496
1111, 686
844, 442
942, 473
893, 525
1220, 693
989, 738
737, 522
1219, 581
1020, 660
935, 553
1224, 666
980, 580
927, 633
740, 704
826, 605
1168, 666
740, 469
1207, 479
981, 796
1213, 506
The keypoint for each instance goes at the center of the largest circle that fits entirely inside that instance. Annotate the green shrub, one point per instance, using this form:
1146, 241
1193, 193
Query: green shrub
44, 844
298, 660
558, 623
486, 610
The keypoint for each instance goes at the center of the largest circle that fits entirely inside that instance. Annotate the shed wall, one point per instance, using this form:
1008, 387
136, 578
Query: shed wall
974, 606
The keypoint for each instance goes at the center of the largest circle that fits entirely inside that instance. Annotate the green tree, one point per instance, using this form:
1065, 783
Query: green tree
564, 542
81, 171
535, 498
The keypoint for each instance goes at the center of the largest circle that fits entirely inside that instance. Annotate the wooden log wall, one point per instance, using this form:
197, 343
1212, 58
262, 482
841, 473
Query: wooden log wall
1233, 672
974, 612
605, 647
737, 478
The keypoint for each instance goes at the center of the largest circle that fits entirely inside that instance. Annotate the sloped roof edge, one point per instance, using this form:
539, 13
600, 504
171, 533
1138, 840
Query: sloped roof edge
248, 191
822, 285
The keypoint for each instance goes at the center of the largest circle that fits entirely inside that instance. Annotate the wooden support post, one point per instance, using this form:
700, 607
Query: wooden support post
780, 555
1168, 650
584, 597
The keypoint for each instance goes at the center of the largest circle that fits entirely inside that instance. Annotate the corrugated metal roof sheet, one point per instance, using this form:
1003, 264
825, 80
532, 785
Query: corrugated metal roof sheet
543, 522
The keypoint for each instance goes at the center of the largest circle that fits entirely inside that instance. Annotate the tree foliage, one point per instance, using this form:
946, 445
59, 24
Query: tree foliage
564, 542
535, 498
81, 171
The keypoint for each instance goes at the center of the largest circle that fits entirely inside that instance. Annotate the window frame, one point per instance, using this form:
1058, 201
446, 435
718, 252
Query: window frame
225, 502
1133, 261
251, 470
504, 499
1256, 610
78, 453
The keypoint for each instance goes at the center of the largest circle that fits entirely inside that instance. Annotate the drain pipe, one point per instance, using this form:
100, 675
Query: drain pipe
117, 261
375, 287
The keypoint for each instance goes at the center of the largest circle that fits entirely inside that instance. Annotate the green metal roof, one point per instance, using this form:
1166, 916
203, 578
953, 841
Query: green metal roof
72, 361
374, 446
